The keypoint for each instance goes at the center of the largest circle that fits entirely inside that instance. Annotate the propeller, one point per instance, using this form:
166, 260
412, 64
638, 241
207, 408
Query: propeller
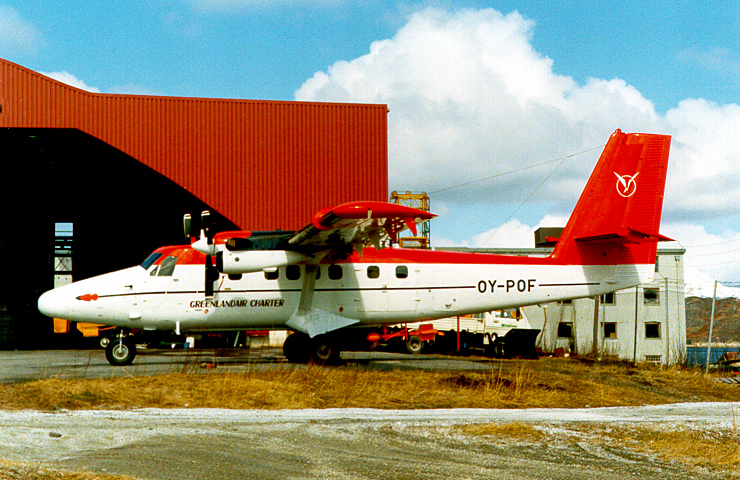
211, 273
187, 226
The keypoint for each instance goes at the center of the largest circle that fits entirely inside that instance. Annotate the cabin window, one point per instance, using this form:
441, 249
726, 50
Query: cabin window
272, 275
652, 330
335, 272
293, 272
235, 277
610, 329
565, 329
167, 267
373, 271
651, 296
402, 271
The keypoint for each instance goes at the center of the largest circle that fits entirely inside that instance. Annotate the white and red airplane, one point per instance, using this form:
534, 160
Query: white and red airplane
333, 274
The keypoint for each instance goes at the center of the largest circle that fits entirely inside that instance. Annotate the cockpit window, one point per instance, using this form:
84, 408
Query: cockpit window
150, 260
167, 267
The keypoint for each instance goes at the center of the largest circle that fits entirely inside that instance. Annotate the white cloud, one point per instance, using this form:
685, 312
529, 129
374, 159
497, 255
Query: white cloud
17, 35
511, 234
470, 98
71, 80
715, 255
705, 159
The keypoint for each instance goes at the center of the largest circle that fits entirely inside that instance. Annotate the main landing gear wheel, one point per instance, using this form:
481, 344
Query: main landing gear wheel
296, 348
325, 351
120, 351
321, 350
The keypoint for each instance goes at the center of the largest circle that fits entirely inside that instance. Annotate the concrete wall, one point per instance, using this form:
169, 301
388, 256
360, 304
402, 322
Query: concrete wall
652, 316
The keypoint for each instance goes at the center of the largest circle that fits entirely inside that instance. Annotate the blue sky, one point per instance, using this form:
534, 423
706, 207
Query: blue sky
476, 90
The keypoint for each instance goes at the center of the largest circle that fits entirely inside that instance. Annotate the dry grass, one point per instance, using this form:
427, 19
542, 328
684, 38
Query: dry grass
508, 384
716, 450
28, 471
698, 448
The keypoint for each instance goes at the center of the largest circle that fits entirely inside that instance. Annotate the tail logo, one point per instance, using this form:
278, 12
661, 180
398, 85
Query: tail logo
626, 185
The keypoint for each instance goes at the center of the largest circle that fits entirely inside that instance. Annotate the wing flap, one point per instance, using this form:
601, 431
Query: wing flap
359, 224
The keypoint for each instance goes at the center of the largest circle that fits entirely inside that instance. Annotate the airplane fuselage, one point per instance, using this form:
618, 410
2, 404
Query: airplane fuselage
387, 286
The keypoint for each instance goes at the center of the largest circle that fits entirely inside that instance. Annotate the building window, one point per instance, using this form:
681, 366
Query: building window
292, 272
651, 296
610, 329
272, 275
565, 330
373, 271
652, 330
335, 272
402, 271
608, 299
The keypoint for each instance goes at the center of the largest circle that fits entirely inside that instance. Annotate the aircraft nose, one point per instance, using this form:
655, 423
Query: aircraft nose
54, 303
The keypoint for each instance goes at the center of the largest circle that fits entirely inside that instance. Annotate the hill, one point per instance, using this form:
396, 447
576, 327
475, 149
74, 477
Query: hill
726, 320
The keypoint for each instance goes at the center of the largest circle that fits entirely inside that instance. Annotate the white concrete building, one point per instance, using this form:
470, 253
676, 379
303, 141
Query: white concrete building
642, 324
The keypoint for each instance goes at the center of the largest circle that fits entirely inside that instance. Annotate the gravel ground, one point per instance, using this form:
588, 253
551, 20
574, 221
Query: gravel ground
345, 443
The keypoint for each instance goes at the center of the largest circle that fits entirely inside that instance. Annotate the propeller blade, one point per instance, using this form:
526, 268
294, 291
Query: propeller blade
211, 272
205, 220
187, 226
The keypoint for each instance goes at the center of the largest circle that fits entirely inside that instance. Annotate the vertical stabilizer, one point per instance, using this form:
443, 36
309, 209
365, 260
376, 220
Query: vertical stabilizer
617, 219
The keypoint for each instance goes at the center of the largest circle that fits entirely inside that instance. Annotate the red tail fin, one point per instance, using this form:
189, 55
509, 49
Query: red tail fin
617, 218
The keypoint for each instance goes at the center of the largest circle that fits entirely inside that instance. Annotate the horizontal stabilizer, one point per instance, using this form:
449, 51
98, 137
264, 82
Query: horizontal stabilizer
626, 235
317, 322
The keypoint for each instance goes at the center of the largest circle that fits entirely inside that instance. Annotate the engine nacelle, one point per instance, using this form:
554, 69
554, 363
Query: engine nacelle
248, 261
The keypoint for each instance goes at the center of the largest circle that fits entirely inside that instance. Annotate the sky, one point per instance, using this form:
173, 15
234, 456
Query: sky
498, 110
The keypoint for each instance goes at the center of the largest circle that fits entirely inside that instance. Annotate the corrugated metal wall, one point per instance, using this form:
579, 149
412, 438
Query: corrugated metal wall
263, 165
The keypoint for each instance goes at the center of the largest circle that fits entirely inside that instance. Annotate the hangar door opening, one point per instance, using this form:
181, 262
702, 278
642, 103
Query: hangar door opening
64, 183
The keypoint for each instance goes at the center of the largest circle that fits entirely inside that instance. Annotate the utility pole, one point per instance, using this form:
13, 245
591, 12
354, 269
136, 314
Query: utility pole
667, 320
595, 346
711, 325
637, 298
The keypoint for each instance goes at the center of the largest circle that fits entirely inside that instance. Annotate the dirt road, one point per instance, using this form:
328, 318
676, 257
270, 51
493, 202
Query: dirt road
345, 443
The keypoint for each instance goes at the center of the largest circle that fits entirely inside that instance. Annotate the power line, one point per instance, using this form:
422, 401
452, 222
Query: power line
716, 253
529, 167
711, 244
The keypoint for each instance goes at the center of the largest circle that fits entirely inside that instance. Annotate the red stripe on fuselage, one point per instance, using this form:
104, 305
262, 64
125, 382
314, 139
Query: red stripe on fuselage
188, 256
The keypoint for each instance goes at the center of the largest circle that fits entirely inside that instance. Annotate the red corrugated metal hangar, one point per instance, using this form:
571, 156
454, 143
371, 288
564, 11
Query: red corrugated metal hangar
94, 182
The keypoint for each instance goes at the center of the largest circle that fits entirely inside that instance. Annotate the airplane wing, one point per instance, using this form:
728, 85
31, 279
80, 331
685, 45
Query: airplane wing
337, 231
359, 224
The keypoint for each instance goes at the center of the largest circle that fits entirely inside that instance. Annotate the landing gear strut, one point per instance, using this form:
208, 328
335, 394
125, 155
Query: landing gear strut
121, 350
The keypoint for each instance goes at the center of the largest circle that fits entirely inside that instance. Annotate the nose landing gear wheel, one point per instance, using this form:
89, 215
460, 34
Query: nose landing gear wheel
120, 351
